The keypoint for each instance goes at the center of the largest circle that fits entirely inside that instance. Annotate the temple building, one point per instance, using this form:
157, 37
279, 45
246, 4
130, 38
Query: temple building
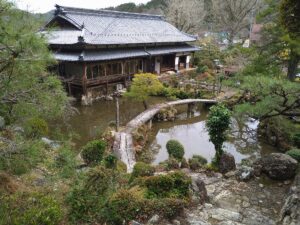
100, 50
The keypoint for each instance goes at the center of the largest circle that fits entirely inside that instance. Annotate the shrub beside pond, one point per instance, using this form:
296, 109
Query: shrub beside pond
93, 151
36, 128
175, 149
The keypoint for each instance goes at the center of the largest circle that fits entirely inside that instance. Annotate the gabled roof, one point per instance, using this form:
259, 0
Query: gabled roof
105, 27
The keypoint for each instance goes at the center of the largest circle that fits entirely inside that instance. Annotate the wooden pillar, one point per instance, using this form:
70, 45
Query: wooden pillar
69, 88
84, 79
123, 73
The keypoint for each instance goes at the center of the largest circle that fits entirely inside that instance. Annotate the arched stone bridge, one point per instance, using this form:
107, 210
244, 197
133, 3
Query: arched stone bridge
123, 144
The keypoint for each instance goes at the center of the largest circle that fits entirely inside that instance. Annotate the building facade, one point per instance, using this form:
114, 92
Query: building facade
98, 50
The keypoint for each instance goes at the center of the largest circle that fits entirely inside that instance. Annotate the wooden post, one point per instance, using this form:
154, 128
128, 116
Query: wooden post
70, 88
84, 79
117, 114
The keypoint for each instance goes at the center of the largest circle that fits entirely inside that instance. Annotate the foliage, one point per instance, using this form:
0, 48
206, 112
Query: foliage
26, 88
89, 195
65, 161
217, 123
184, 163
36, 128
124, 205
141, 169
175, 185
294, 153
172, 163
143, 86
197, 162
27, 157
110, 161
29, 209
296, 140
93, 151
269, 97
175, 149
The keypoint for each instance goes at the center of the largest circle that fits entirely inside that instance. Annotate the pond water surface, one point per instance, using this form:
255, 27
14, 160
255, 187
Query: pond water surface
190, 130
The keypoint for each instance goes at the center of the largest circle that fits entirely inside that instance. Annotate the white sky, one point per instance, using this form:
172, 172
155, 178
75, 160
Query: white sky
42, 6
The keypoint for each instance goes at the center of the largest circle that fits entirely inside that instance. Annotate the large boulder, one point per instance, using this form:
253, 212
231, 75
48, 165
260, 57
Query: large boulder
226, 163
277, 166
198, 189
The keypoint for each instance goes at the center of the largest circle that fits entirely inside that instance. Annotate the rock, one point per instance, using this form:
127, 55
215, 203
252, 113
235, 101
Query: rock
2, 123
135, 223
224, 214
154, 220
227, 163
245, 173
52, 144
277, 166
290, 212
254, 217
199, 189
230, 174
86, 100
109, 98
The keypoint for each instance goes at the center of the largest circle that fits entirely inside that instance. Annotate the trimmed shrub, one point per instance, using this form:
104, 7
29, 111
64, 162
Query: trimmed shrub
36, 128
182, 184
296, 140
93, 151
294, 153
175, 149
141, 169
110, 161
30, 209
159, 186
197, 162
174, 185
124, 205
99, 179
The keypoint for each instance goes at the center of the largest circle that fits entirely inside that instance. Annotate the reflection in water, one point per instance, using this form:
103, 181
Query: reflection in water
242, 142
92, 121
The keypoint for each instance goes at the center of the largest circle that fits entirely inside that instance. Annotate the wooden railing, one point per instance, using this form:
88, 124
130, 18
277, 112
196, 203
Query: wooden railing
95, 81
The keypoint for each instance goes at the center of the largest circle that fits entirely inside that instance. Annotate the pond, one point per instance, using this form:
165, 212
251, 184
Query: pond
190, 130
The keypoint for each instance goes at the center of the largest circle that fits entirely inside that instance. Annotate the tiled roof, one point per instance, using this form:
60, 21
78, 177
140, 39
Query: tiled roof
104, 27
102, 55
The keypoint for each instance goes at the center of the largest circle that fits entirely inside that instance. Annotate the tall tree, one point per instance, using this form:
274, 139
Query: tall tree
232, 16
26, 88
186, 15
290, 20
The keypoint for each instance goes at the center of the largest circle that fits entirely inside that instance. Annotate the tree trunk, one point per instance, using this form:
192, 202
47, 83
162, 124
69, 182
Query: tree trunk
145, 105
292, 65
117, 114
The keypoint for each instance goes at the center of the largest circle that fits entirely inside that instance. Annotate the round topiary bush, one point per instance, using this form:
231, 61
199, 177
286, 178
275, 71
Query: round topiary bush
141, 169
36, 128
294, 153
175, 149
92, 152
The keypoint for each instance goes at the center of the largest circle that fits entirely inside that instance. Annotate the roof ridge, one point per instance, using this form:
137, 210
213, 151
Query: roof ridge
66, 9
